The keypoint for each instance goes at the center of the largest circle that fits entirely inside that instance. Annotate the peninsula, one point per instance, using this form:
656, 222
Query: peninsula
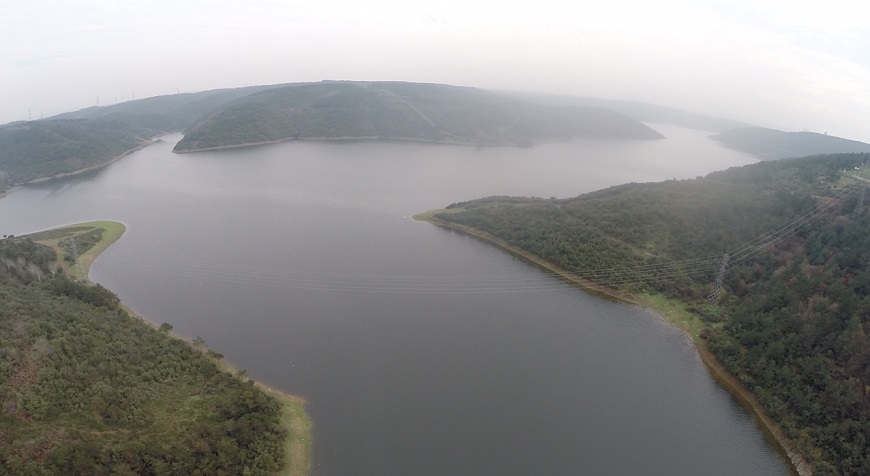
786, 332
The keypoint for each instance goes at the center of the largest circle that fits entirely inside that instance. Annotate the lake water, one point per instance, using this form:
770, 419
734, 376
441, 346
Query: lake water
419, 350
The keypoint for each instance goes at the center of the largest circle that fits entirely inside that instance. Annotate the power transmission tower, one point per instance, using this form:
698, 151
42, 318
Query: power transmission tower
859, 207
713, 297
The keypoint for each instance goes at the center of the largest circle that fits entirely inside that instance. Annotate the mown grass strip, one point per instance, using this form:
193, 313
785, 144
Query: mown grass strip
111, 232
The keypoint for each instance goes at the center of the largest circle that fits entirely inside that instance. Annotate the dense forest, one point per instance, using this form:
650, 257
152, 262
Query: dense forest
770, 144
402, 111
85, 388
38, 149
94, 136
792, 320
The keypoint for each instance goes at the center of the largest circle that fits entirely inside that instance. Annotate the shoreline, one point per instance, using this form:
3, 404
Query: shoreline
399, 139
112, 231
347, 139
771, 430
294, 418
144, 143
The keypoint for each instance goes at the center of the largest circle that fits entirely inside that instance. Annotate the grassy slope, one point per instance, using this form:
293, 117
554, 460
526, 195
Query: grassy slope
294, 418
111, 232
297, 446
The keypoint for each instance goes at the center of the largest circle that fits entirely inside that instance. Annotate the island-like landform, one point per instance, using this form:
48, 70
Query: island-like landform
86, 387
771, 144
787, 334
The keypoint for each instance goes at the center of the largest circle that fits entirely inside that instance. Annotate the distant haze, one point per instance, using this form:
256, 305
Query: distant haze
783, 64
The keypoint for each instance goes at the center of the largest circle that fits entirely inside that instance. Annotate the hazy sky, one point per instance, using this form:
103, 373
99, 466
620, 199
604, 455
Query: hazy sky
792, 65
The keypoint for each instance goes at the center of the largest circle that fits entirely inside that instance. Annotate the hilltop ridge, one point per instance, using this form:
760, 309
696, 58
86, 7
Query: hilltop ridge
401, 111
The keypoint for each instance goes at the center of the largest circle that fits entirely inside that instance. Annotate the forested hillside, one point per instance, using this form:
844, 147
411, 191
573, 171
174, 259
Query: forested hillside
37, 149
773, 144
87, 389
401, 111
794, 314
94, 136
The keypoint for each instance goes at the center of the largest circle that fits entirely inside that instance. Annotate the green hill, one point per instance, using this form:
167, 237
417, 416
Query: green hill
86, 388
792, 323
94, 136
39, 149
771, 144
401, 111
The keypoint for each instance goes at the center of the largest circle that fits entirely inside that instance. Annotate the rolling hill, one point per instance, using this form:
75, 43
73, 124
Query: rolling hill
38, 149
401, 111
769, 144
94, 136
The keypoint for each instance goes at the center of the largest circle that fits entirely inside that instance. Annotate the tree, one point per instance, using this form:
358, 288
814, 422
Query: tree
199, 343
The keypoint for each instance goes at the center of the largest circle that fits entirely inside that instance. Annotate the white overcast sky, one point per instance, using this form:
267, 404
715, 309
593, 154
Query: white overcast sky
787, 64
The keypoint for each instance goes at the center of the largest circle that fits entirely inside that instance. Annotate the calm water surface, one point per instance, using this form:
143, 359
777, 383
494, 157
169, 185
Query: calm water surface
420, 351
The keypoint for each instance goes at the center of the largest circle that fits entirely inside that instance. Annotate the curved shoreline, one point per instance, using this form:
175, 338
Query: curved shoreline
771, 430
345, 139
404, 139
293, 416
142, 145
145, 143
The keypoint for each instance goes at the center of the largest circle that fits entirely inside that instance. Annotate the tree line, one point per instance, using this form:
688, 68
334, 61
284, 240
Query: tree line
793, 321
85, 388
